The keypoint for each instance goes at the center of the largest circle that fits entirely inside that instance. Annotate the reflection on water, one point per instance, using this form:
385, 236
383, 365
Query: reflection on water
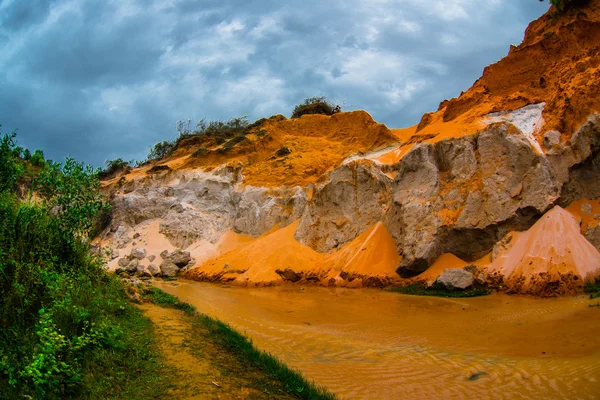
378, 345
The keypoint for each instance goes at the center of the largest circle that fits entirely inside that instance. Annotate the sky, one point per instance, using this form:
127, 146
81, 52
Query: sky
101, 79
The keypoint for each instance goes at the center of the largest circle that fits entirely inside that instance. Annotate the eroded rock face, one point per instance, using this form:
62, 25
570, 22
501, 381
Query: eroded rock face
195, 205
459, 195
352, 201
592, 234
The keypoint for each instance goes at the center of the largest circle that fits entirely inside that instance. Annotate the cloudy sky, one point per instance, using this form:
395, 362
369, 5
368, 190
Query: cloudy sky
100, 79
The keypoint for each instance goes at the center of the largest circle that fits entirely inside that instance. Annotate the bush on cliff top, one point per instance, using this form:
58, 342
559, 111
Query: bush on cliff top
313, 105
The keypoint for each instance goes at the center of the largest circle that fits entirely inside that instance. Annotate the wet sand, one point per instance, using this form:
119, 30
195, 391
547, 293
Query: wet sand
372, 344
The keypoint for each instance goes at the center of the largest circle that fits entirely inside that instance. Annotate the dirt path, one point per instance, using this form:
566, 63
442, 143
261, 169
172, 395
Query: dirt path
201, 369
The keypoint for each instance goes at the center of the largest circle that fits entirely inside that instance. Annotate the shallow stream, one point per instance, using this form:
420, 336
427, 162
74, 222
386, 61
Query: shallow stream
371, 344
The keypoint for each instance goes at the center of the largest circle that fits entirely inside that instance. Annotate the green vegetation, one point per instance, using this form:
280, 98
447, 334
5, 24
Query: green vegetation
284, 378
10, 170
439, 290
66, 326
313, 105
593, 288
207, 134
163, 299
216, 132
160, 150
114, 166
37, 159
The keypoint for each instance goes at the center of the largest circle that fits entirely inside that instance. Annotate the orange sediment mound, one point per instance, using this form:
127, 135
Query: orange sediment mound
372, 253
552, 257
443, 262
204, 250
278, 256
257, 262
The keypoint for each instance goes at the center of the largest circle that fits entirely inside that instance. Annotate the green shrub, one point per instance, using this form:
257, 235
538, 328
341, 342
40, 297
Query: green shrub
593, 288
72, 191
563, 5
221, 131
10, 170
158, 168
37, 158
283, 151
313, 105
160, 150
113, 166
233, 141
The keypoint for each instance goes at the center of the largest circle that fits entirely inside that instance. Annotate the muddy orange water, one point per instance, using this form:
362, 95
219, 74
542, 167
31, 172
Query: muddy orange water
370, 344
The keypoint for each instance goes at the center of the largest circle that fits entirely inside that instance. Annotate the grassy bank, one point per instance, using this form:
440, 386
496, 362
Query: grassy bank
67, 329
278, 378
421, 289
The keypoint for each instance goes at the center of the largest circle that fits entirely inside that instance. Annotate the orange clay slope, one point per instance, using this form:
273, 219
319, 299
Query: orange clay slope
558, 63
318, 143
551, 258
369, 260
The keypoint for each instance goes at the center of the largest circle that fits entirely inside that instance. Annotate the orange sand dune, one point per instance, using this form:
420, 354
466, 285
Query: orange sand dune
373, 253
553, 252
258, 261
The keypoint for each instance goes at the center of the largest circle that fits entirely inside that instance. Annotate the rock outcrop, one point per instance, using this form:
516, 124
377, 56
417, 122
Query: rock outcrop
458, 195
456, 278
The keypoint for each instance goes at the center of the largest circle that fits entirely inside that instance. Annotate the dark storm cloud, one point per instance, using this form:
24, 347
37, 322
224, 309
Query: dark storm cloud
104, 79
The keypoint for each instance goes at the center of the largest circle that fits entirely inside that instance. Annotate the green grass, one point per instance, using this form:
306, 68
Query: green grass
238, 345
163, 299
593, 288
133, 367
420, 289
